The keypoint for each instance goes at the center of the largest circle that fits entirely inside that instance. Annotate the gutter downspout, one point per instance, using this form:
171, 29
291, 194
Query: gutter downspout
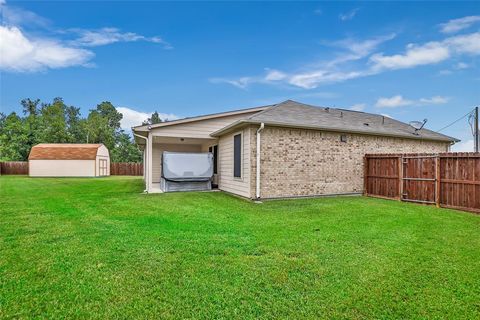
257, 185
145, 166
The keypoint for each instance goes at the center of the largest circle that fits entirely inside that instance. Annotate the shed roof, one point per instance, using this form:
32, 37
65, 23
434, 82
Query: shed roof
294, 114
64, 151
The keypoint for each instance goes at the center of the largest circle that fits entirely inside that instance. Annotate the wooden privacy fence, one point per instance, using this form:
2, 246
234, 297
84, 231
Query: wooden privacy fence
126, 169
14, 167
450, 180
116, 168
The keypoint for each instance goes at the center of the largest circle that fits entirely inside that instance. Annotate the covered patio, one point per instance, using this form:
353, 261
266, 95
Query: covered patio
155, 144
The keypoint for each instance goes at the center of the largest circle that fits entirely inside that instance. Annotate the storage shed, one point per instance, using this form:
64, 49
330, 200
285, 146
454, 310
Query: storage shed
69, 160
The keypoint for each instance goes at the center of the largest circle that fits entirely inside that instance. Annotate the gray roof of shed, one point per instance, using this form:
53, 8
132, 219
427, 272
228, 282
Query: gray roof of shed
294, 114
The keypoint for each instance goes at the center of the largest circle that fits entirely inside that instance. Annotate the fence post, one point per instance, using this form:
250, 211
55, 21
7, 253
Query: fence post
400, 178
365, 175
437, 181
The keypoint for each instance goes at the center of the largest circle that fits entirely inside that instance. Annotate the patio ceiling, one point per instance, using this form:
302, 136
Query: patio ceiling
180, 140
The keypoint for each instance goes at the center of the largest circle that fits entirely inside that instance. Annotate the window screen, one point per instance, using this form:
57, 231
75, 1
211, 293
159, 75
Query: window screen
214, 150
237, 155
215, 159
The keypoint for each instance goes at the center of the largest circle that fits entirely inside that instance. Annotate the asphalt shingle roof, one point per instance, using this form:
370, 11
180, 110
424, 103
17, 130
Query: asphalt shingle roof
64, 151
295, 114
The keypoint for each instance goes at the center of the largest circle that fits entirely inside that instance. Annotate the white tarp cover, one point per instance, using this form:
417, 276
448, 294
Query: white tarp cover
181, 166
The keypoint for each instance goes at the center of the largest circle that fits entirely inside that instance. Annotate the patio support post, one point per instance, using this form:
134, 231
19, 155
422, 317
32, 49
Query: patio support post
145, 160
149, 162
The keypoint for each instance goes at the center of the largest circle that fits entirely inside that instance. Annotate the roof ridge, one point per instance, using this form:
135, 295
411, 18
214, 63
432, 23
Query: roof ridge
273, 106
66, 145
309, 116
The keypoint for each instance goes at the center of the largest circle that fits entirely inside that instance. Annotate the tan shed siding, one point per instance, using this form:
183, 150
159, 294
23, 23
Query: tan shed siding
62, 168
226, 182
198, 129
103, 151
299, 162
157, 150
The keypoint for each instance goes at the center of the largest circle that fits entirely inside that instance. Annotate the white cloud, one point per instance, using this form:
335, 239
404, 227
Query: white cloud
358, 107
104, 36
22, 54
362, 48
429, 53
14, 16
271, 76
318, 12
241, 83
310, 80
456, 25
434, 100
133, 118
348, 15
461, 65
399, 101
341, 68
464, 44
327, 72
21, 51
463, 146
275, 75
432, 52
393, 102
445, 72
356, 49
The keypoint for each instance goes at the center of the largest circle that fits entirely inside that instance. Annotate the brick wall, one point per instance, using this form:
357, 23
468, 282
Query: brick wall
298, 162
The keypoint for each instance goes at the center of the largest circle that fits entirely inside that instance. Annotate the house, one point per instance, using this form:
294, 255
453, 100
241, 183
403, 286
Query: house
69, 160
285, 150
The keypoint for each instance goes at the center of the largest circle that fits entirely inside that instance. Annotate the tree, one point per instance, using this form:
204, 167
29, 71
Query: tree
58, 123
74, 125
107, 110
155, 118
125, 150
32, 121
53, 122
30, 107
13, 139
98, 130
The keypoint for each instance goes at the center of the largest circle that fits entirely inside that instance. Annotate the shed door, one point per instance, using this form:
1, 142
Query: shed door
102, 167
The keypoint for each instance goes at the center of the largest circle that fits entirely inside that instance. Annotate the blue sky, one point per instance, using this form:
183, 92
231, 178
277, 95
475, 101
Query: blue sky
409, 60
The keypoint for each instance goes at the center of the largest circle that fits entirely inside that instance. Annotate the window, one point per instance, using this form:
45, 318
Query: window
237, 156
214, 150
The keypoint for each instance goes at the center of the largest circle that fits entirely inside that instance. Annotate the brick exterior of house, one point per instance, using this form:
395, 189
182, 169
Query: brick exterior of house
301, 162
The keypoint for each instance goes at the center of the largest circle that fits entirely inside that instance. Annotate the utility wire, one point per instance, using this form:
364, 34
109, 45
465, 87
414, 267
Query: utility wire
451, 124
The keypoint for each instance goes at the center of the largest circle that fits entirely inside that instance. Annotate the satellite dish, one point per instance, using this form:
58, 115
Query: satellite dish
418, 125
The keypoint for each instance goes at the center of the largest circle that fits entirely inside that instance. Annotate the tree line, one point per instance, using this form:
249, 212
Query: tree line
58, 123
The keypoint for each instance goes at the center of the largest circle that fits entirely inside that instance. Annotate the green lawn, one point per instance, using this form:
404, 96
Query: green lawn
97, 248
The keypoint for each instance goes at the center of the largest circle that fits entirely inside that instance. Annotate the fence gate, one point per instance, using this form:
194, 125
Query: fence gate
450, 179
419, 176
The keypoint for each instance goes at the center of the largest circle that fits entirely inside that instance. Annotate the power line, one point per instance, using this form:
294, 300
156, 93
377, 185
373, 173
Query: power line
451, 124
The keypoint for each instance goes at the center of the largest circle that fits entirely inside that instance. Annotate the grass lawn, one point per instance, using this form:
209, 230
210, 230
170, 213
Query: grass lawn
97, 248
